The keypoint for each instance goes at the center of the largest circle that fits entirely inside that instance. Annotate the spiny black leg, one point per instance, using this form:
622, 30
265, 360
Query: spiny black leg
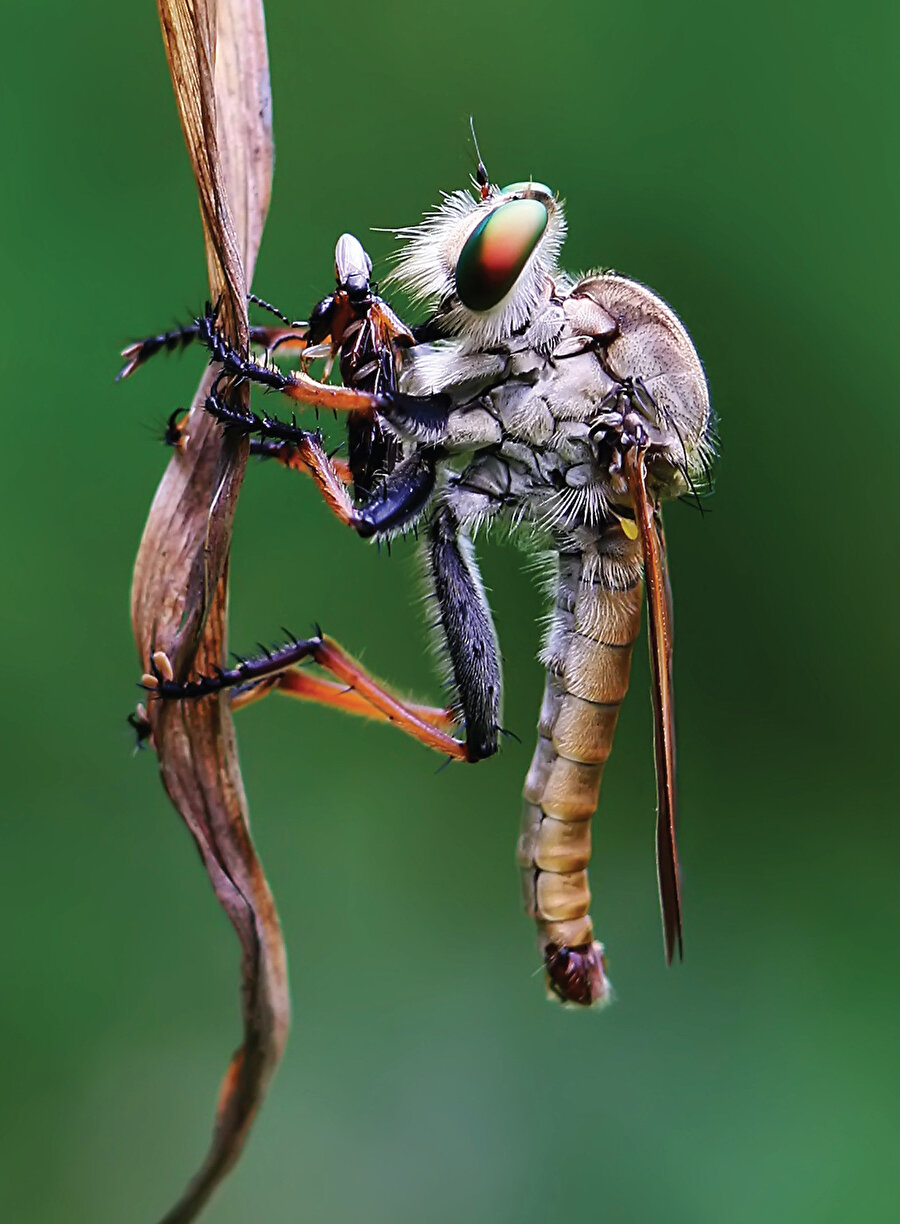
233, 362
198, 332
468, 630
422, 417
176, 338
269, 663
261, 448
266, 428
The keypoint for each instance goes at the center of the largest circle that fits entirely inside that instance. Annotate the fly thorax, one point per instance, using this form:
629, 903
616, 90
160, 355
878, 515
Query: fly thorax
523, 413
651, 358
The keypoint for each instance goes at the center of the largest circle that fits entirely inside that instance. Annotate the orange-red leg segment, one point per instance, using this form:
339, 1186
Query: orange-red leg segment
345, 668
307, 390
357, 693
290, 456
300, 683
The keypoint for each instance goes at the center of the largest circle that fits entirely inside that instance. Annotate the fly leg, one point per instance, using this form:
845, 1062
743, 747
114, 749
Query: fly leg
290, 455
463, 614
173, 340
281, 670
422, 418
395, 503
300, 683
467, 631
288, 340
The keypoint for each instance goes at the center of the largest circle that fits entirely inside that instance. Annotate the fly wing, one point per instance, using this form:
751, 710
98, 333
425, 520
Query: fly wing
659, 605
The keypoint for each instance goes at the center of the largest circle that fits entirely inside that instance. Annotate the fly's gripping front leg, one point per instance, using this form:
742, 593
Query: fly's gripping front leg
395, 503
289, 341
588, 657
422, 418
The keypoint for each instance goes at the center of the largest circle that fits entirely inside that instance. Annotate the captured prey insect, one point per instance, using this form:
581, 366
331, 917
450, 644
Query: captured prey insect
569, 409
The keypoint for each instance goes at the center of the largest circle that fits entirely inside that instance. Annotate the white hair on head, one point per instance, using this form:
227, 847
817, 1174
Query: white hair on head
426, 267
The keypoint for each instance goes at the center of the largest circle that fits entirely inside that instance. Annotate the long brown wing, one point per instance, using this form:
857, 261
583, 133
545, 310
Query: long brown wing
659, 605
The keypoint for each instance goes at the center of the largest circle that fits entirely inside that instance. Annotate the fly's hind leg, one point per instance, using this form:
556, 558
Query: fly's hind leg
283, 670
300, 683
467, 629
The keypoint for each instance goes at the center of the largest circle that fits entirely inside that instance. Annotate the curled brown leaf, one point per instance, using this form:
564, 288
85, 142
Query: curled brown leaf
179, 602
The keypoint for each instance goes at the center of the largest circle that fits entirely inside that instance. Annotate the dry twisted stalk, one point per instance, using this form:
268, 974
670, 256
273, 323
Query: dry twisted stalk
218, 61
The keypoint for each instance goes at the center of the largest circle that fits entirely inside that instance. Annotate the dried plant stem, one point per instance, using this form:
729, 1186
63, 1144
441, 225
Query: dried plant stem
219, 66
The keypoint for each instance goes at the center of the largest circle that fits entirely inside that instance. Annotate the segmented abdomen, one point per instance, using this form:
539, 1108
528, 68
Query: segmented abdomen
588, 657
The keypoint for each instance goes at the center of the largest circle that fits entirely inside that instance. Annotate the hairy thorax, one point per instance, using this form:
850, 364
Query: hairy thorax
539, 417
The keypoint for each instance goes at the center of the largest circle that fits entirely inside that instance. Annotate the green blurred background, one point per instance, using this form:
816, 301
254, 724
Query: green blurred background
742, 162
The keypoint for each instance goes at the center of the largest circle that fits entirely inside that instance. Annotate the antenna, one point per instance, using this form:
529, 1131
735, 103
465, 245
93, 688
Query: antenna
481, 174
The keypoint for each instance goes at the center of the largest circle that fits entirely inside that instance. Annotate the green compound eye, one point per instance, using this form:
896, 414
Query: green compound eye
496, 252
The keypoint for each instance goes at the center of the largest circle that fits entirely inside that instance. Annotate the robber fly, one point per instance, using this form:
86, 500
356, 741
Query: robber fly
569, 409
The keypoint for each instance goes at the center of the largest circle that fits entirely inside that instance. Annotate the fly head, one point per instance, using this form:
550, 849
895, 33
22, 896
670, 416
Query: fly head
487, 265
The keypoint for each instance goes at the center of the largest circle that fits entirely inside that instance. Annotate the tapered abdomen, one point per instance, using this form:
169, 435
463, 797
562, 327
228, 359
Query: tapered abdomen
588, 657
